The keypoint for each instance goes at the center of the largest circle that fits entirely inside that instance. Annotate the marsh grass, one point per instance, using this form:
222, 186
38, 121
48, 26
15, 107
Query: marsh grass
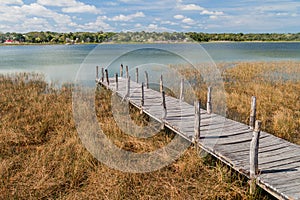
275, 84
41, 155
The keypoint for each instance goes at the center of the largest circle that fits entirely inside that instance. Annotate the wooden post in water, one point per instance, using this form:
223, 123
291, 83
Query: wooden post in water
137, 74
147, 79
161, 84
181, 97
127, 73
254, 145
197, 122
102, 74
252, 113
106, 74
97, 73
121, 70
209, 104
117, 82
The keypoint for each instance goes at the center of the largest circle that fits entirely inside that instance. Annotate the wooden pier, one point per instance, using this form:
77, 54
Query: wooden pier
278, 167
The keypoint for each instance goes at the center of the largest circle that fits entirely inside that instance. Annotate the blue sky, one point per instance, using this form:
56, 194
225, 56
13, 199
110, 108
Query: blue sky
150, 15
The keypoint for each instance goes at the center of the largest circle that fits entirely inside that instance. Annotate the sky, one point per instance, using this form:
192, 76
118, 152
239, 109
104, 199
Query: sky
212, 16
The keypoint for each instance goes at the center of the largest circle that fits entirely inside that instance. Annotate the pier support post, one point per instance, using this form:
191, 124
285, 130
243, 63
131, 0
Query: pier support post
127, 73
252, 113
127, 88
197, 122
137, 74
106, 74
142, 97
117, 82
161, 84
209, 103
97, 73
121, 70
147, 79
254, 145
181, 97
102, 74
164, 107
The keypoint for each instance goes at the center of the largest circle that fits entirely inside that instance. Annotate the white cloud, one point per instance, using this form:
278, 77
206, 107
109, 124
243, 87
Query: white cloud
169, 23
207, 12
189, 7
70, 6
97, 25
179, 17
185, 19
122, 17
59, 3
81, 9
188, 21
11, 2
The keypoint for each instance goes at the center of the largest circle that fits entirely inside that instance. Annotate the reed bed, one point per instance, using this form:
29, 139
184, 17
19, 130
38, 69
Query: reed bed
41, 155
275, 84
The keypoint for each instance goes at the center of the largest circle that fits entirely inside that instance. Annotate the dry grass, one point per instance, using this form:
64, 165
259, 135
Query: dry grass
276, 86
41, 156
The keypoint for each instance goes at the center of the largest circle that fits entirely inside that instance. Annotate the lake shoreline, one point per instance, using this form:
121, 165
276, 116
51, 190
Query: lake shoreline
141, 43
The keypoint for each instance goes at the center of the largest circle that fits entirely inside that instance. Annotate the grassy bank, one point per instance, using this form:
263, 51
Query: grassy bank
41, 156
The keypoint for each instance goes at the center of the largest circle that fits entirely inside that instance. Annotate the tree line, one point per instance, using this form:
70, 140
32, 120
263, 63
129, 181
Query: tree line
146, 37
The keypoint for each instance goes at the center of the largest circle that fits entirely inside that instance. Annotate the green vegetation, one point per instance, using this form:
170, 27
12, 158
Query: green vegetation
54, 38
206, 37
144, 37
41, 156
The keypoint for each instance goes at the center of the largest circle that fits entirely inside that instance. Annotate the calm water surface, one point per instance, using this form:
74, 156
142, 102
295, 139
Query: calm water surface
61, 63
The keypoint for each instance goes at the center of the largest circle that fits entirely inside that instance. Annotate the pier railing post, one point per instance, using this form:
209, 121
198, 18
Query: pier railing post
197, 122
164, 107
137, 74
128, 87
143, 97
254, 145
209, 103
97, 73
117, 82
181, 97
127, 73
121, 70
102, 74
147, 79
252, 113
106, 74
161, 84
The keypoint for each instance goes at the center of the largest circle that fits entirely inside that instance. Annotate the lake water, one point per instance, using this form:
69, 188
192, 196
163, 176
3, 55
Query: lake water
63, 62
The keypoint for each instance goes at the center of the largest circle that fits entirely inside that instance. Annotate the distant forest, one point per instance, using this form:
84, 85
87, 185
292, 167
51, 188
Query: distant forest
145, 37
